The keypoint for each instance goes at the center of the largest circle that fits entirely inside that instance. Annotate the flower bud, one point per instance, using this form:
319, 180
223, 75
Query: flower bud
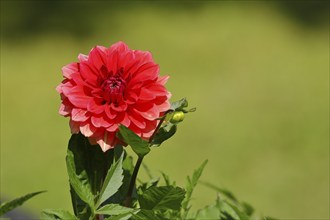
177, 117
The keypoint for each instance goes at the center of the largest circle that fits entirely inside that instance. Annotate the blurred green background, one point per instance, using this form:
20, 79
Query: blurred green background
258, 73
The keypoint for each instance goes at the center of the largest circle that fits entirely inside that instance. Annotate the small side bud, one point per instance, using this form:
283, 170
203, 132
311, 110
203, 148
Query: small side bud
177, 117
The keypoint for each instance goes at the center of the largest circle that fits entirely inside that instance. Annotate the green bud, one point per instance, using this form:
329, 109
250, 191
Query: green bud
177, 117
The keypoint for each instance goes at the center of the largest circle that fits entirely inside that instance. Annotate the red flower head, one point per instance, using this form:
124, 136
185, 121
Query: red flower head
113, 86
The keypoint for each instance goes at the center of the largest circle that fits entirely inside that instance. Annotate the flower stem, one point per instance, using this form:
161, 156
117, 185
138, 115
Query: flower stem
128, 202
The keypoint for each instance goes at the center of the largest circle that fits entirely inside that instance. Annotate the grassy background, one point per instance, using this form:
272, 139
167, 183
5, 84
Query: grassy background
259, 80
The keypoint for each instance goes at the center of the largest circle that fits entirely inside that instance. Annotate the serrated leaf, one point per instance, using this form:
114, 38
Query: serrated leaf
53, 214
147, 215
191, 184
122, 216
169, 214
112, 182
120, 195
139, 146
91, 164
162, 197
80, 184
8, 206
114, 209
164, 133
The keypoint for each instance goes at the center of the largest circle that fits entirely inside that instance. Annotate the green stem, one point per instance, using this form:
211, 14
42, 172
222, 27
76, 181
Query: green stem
158, 126
128, 202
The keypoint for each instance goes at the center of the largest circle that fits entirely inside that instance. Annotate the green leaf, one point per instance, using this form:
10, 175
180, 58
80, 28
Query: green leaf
223, 191
139, 146
114, 209
57, 214
80, 184
241, 215
179, 105
120, 196
8, 206
147, 214
209, 212
80, 208
230, 211
128, 164
91, 166
162, 198
191, 184
163, 134
112, 182
248, 209
123, 216
166, 179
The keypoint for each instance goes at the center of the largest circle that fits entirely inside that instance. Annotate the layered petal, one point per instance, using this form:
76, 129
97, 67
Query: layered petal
113, 86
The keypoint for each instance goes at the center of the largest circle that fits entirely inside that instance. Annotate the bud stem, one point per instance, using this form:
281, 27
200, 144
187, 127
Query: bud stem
128, 201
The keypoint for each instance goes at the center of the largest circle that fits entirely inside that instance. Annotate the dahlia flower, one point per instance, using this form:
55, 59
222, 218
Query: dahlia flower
109, 87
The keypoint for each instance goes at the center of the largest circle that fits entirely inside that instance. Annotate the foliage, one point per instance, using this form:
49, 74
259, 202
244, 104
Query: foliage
8, 206
104, 188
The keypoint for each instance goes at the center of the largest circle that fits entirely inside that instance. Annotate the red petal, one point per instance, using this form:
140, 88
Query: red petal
79, 101
143, 56
120, 108
146, 94
87, 129
79, 115
92, 106
100, 122
82, 57
143, 106
157, 89
112, 61
164, 106
146, 72
110, 113
74, 126
151, 114
163, 80
126, 61
69, 69
122, 118
108, 141
137, 119
151, 125
97, 57
112, 128
120, 46
88, 73
65, 110
126, 120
